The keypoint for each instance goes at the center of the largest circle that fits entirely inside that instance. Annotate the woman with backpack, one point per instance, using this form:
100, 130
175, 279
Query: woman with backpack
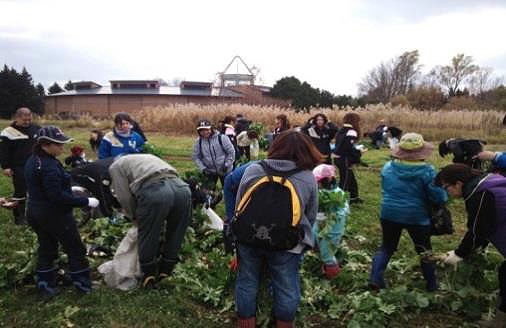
485, 201
347, 154
275, 243
408, 188
213, 153
321, 132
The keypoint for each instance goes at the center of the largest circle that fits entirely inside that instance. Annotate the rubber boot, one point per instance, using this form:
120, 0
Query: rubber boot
284, 324
149, 275
81, 280
46, 283
499, 321
247, 323
379, 264
429, 273
165, 268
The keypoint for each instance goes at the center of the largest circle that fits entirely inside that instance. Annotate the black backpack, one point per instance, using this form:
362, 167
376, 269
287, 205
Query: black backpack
269, 213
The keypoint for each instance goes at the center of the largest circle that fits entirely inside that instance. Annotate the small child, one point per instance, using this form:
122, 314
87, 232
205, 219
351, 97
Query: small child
77, 158
333, 211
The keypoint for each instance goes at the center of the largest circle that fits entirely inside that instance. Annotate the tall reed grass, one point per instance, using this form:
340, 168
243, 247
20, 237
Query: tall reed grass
434, 125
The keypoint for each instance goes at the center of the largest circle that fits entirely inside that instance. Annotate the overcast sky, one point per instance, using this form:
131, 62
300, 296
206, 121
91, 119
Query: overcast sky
330, 44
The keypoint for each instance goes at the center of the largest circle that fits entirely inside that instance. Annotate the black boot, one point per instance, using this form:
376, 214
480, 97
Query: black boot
81, 280
46, 283
149, 275
165, 268
429, 273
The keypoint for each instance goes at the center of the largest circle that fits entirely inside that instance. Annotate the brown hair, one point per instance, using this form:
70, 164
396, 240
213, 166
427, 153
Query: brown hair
229, 120
453, 173
285, 124
354, 120
295, 146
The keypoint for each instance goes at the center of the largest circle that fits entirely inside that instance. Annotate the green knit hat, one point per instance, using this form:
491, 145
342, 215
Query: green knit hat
412, 147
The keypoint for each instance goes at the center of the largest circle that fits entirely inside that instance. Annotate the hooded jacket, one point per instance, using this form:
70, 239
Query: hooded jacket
408, 192
114, 144
213, 155
16, 145
305, 185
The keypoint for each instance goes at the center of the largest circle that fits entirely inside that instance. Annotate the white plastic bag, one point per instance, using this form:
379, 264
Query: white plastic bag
215, 222
254, 149
124, 270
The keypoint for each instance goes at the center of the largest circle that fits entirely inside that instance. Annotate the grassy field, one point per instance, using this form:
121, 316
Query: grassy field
201, 293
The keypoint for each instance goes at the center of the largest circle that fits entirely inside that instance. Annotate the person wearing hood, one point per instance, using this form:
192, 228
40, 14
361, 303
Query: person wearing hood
485, 201
291, 151
408, 189
321, 132
121, 140
213, 153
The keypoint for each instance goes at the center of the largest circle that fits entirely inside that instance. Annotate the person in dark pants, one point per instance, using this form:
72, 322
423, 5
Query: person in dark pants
213, 154
347, 155
321, 132
151, 193
408, 191
16, 144
49, 213
485, 201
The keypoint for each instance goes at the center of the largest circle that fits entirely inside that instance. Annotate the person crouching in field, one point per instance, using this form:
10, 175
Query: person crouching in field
485, 200
331, 219
49, 213
408, 188
213, 153
151, 193
247, 142
278, 198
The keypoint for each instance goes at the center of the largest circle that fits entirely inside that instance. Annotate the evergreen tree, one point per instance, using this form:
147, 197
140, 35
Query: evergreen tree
55, 88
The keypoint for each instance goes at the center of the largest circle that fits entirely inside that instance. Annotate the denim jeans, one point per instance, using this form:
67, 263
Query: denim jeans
283, 268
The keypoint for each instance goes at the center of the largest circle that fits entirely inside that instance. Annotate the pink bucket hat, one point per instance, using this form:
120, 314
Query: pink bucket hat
323, 171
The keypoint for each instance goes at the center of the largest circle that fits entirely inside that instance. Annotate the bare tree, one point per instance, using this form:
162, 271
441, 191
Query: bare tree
456, 74
391, 79
483, 80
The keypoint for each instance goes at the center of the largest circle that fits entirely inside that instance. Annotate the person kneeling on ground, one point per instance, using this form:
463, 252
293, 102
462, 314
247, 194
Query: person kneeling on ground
485, 200
408, 189
331, 219
151, 193
49, 213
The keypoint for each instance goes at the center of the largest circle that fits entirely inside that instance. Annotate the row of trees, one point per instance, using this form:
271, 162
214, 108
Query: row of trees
303, 96
17, 89
459, 83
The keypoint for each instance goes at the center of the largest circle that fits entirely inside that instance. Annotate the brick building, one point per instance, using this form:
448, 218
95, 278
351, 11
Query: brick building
134, 95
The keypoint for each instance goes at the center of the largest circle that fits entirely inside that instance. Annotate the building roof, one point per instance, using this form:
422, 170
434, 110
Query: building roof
163, 90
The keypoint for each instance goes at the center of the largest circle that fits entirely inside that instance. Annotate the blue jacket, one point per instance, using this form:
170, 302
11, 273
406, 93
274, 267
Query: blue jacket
408, 191
114, 144
48, 186
230, 187
500, 160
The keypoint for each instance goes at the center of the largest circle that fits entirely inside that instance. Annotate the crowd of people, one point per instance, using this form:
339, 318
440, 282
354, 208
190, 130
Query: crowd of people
275, 209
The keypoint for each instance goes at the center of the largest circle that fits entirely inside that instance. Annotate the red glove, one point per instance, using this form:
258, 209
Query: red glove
232, 265
331, 270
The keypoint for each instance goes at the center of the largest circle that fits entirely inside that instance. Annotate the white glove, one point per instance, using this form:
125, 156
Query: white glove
452, 258
93, 202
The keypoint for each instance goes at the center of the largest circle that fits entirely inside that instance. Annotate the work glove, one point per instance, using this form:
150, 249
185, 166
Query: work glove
233, 264
451, 258
93, 202
228, 239
331, 270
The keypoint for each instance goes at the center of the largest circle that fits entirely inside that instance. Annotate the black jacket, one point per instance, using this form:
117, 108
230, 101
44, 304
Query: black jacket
16, 145
321, 137
49, 186
346, 139
480, 219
